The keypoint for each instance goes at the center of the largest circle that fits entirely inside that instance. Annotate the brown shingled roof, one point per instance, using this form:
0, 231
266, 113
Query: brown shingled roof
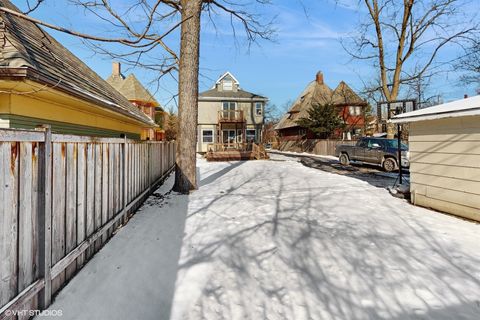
29, 51
344, 95
314, 93
318, 92
132, 89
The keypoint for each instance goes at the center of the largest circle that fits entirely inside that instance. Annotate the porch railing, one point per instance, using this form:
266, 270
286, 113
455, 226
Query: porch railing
231, 116
233, 146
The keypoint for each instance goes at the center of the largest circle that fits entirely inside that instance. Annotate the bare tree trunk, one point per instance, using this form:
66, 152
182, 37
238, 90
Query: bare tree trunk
185, 171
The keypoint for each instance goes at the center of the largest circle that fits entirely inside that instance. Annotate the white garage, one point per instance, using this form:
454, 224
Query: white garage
445, 156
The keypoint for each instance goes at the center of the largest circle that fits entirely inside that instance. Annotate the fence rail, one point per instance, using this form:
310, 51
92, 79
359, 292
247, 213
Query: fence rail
61, 197
316, 146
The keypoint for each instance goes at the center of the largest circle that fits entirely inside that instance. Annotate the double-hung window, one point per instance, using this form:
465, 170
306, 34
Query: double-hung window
207, 136
258, 108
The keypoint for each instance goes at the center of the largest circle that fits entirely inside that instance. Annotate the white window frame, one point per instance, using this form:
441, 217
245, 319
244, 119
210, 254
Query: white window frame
229, 105
232, 137
358, 111
351, 110
248, 136
203, 136
229, 87
258, 107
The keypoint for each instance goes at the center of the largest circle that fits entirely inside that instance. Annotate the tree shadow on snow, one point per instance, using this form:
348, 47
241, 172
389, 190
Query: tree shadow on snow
297, 251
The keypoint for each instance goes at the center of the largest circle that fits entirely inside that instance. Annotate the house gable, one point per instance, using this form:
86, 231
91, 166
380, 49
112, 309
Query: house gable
29, 52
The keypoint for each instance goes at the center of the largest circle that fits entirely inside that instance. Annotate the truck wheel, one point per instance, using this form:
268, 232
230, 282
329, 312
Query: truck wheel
389, 164
344, 160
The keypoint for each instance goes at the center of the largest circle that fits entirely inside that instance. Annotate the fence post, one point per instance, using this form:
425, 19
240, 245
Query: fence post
149, 171
124, 181
45, 218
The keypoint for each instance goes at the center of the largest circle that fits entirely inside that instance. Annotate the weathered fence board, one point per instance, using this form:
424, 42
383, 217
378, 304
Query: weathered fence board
81, 197
98, 192
61, 198
8, 220
104, 192
71, 204
58, 209
28, 220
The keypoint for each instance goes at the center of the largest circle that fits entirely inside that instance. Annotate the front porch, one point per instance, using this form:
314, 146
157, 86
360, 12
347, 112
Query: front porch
235, 152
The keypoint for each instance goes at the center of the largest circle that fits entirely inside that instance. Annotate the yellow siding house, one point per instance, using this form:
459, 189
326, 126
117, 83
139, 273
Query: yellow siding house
41, 82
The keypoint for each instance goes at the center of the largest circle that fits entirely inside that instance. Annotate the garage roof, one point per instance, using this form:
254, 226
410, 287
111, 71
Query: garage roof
458, 108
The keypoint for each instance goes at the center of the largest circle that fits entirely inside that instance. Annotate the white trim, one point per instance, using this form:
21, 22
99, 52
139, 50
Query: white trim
261, 108
227, 74
465, 113
454, 109
213, 136
254, 99
236, 105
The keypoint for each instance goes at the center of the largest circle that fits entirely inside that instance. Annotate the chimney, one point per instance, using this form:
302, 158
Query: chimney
319, 77
116, 69
465, 96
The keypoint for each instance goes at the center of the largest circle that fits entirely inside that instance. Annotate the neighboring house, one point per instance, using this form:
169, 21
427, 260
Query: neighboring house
229, 116
351, 108
444, 144
41, 82
140, 97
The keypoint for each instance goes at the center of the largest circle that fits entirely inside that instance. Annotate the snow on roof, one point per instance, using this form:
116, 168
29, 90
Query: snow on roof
458, 108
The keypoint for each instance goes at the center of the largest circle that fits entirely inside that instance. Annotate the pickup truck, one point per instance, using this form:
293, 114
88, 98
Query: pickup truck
379, 151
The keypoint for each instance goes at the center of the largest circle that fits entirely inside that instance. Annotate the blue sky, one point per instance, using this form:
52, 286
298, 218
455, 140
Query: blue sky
307, 40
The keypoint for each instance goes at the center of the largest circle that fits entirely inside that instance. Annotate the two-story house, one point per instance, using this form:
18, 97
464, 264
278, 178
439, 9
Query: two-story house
350, 106
229, 117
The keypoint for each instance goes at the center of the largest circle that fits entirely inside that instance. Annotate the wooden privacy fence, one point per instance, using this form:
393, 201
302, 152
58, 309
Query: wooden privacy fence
324, 147
61, 198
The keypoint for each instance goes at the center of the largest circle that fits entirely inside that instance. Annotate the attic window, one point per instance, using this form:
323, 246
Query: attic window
227, 85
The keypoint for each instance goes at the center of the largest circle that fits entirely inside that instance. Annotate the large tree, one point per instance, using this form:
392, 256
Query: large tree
156, 29
470, 63
403, 39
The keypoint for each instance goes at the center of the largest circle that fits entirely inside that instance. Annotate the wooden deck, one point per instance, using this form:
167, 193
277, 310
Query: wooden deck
236, 152
231, 155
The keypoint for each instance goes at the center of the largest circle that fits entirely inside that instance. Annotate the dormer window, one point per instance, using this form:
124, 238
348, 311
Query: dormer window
227, 85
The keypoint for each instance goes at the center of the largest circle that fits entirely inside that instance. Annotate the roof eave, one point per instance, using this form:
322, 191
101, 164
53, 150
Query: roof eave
21, 73
257, 98
436, 116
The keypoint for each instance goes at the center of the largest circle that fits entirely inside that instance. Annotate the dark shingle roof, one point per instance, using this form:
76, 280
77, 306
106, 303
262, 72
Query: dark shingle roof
213, 93
25, 45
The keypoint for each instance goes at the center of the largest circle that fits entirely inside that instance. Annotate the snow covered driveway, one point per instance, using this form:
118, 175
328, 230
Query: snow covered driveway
278, 240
